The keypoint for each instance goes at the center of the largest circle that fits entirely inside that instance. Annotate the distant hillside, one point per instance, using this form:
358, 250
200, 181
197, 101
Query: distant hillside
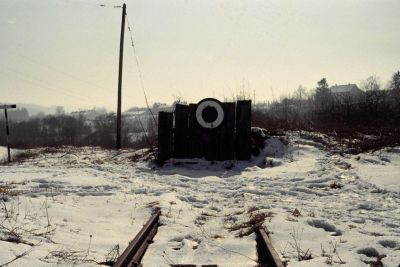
36, 109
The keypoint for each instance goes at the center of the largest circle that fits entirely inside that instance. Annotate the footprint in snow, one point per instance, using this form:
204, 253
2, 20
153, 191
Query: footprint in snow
393, 225
369, 252
342, 165
393, 244
178, 243
318, 223
366, 206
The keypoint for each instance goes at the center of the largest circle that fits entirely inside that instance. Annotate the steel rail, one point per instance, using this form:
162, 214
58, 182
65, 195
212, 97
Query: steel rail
267, 255
133, 254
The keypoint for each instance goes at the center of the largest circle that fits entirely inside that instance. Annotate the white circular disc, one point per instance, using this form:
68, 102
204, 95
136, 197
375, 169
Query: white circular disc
199, 114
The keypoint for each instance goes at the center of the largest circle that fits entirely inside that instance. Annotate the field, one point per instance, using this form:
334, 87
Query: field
83, 205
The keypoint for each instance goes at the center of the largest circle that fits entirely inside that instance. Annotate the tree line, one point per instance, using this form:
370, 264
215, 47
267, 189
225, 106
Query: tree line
373, 109
77, 129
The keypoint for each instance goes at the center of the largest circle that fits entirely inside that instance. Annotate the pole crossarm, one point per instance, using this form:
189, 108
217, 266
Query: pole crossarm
7, 106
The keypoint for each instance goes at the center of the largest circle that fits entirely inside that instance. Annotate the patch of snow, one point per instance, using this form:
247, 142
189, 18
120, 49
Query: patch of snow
370, 166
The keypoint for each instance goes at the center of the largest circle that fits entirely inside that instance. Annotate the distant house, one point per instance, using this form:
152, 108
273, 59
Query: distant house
348, 93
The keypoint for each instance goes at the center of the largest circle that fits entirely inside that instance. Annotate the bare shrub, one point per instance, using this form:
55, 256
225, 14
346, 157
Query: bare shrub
20, 229
296, 213
295, 244
25, 155
112, 256
333, 251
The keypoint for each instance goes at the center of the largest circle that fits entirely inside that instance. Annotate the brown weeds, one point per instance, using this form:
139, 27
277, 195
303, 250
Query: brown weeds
248, 227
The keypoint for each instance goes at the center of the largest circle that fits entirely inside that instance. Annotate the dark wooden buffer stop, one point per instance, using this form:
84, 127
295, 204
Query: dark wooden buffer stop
209, 129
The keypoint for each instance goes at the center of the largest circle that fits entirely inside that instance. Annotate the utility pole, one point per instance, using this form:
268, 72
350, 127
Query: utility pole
121, 57
5, 107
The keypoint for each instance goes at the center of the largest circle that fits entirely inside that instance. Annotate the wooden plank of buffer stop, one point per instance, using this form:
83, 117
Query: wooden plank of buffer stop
213, 144
195, 146
165, 136
209, 141
181, 133
243, 129
226, 138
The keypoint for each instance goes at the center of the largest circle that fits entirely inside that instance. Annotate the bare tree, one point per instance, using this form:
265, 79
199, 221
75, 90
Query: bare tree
372, 83
300, 93
395, 82
395, 89
374, 95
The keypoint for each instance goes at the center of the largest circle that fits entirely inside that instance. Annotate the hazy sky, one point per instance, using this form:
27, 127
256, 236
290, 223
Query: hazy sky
55, 52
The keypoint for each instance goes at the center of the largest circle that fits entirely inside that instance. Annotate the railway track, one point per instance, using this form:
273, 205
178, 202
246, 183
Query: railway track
136, 249
133, 254
267, 255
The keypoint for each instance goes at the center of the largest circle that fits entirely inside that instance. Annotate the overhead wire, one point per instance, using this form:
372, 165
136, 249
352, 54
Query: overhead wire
47, 89
54, 69
41, 84
30, 81
41, 87
139, 69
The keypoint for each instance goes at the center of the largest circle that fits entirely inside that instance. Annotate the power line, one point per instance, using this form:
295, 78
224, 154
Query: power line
41, 84
51, 68
135, 55
34, 83
139, 69
54, 69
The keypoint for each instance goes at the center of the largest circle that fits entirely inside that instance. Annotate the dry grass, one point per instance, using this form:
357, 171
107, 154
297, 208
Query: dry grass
296, 213
152, 204
295, 244
335, 185
353, 140
377, 262
6, 190
28, 154
250, 226
142, 155
25, 155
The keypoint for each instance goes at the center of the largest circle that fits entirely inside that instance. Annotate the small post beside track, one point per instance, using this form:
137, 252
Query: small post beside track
5, 107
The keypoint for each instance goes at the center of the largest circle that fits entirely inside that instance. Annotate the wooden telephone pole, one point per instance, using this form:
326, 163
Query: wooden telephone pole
5, 107
121, 57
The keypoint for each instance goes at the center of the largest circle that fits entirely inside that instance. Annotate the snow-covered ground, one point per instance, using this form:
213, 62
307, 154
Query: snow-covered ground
78, 205
3, 153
